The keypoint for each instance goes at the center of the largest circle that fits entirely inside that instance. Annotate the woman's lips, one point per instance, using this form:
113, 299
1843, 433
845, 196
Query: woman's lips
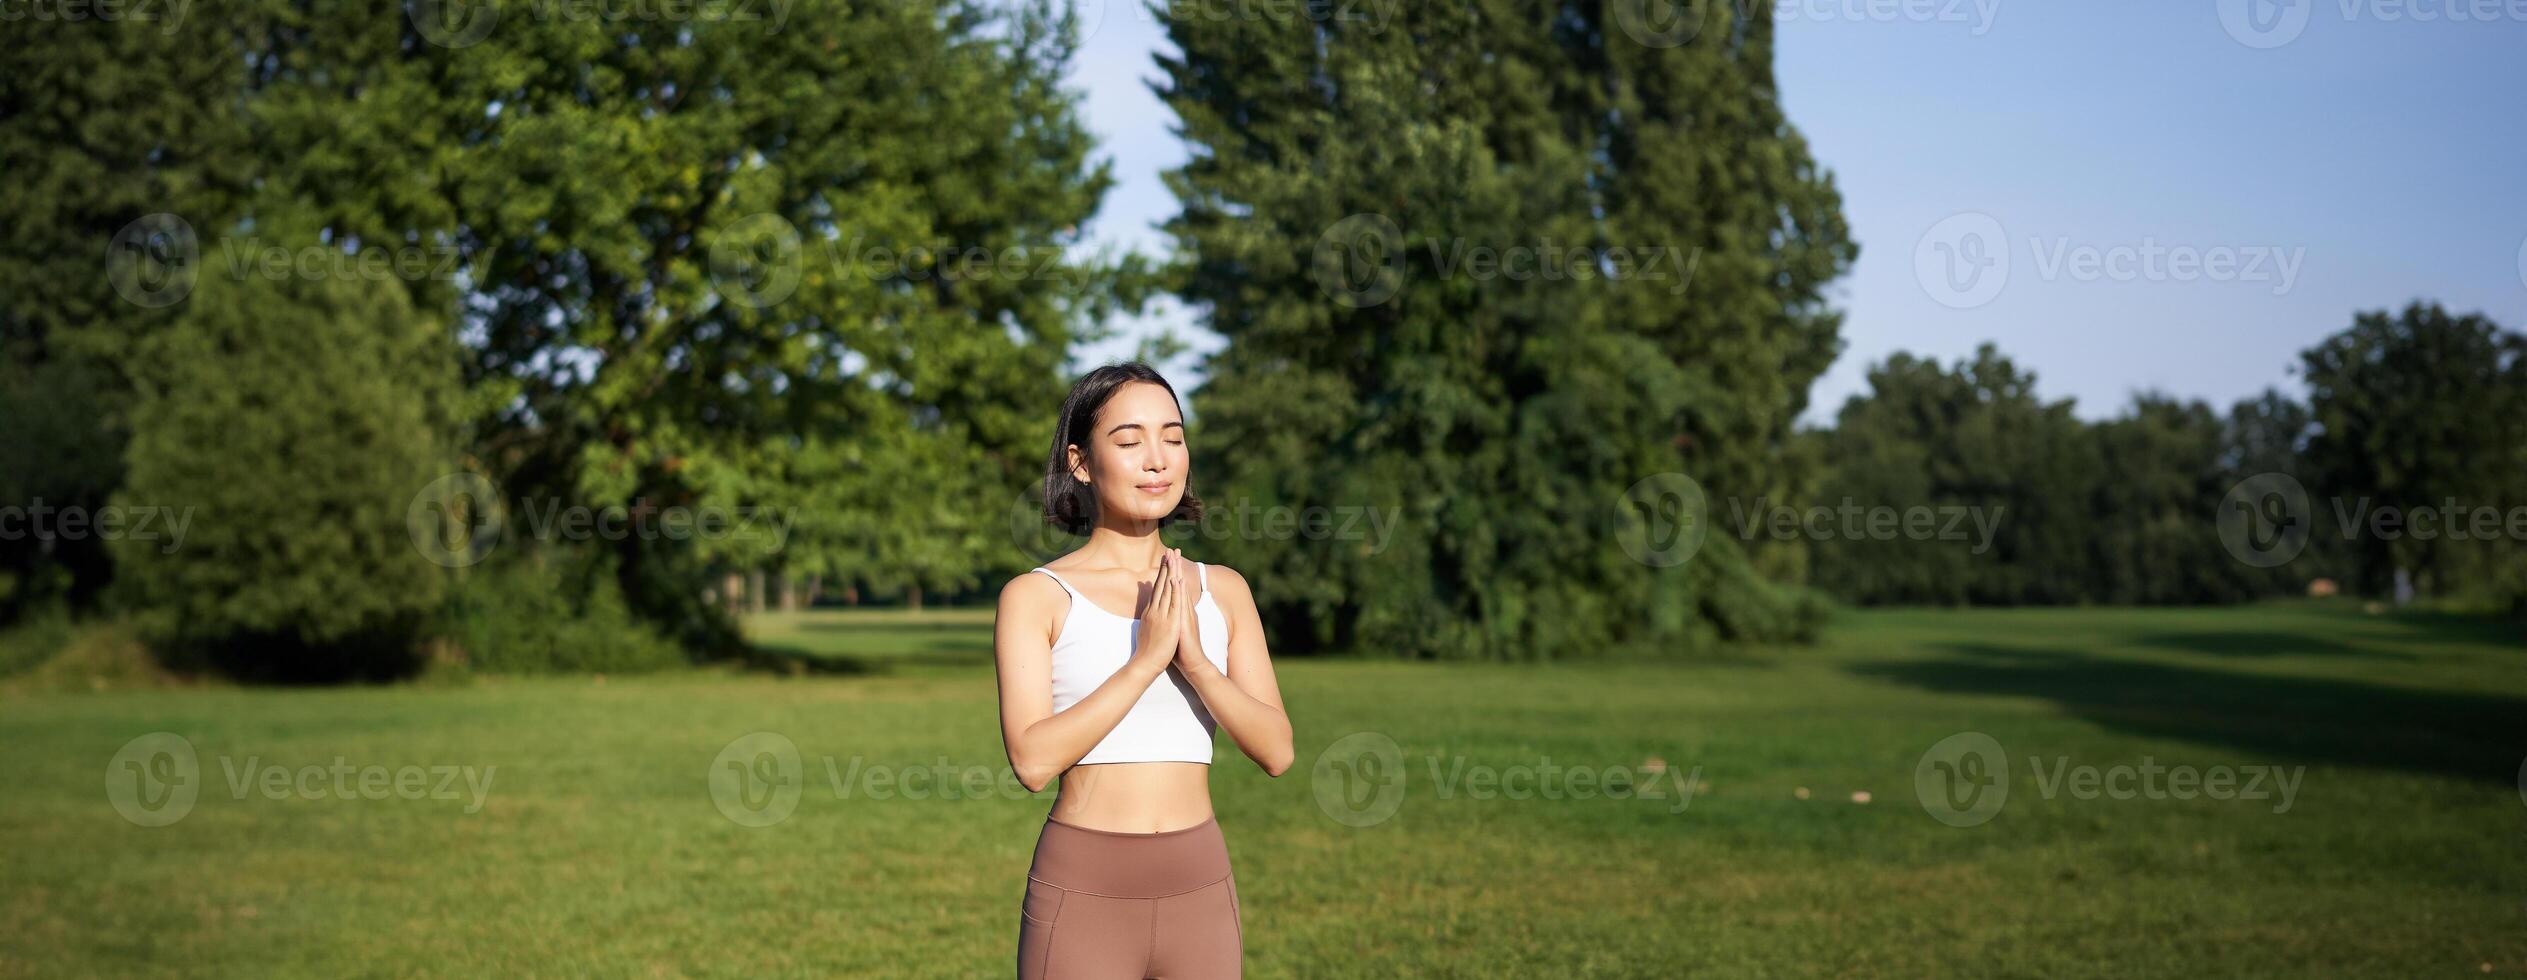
1155, 488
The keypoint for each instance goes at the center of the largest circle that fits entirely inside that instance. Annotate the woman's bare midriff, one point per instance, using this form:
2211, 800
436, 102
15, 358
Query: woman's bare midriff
1135, 797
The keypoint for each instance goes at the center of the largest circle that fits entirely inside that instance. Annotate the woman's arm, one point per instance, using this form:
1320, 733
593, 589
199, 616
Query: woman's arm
1042, 744
1247, 699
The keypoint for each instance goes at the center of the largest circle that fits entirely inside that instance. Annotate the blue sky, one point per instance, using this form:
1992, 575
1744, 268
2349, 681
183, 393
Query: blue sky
2122, 196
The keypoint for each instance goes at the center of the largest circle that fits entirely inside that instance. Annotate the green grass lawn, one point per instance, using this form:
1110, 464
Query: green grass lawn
600, 846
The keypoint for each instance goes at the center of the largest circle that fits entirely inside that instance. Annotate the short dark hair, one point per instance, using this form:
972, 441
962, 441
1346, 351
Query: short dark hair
1068, 503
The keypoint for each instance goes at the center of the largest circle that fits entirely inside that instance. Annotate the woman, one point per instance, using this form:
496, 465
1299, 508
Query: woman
1131, 875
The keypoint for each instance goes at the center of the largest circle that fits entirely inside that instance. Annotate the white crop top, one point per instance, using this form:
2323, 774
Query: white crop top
1169, 723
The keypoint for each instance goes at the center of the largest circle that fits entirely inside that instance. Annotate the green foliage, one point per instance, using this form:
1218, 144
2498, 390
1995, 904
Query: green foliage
289, 425
696, 247
1342, 171
2414, 410
714, 261
550, 610
2122, 511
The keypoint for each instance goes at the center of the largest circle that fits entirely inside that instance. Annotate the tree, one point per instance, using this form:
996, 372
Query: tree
1975, 440
1430, 244
2417, 410
674, 249
296, 422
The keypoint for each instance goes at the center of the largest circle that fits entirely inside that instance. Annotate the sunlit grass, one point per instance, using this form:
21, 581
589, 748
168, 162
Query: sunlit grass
600, 849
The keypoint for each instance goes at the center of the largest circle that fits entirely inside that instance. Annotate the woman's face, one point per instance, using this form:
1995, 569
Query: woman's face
1135, 459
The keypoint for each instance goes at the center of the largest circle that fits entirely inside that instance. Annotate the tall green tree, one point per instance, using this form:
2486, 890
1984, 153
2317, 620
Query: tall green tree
1976, 439
104, 122
277, 458
1484, 267
2418, 409
713, 260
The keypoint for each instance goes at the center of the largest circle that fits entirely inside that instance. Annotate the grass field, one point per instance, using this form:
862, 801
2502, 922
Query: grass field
601, 845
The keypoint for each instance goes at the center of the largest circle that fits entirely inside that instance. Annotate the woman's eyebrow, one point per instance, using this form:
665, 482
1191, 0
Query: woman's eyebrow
1135, 425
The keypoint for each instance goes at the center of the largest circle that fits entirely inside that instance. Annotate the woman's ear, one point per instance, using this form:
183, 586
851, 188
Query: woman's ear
1078, 463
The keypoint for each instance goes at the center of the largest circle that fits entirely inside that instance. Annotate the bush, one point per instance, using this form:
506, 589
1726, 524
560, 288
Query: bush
290, 422
552, 610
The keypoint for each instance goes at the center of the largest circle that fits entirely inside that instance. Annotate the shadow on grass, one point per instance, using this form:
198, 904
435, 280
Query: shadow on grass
2261, 643
2300, 719
794, 661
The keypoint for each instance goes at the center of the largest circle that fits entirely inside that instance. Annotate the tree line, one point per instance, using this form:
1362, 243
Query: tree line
525, 335
2406, 462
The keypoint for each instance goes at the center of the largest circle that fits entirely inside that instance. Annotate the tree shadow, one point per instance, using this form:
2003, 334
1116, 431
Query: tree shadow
2301, 719
2261, 643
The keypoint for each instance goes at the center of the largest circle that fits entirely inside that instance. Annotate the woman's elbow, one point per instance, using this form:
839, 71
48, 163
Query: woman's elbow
1277, 759
1035, 776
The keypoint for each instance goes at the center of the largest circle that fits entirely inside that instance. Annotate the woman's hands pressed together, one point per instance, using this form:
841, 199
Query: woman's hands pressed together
1190, 658
1162, 621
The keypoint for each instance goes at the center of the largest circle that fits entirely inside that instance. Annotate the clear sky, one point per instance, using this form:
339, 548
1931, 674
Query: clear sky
2122, 196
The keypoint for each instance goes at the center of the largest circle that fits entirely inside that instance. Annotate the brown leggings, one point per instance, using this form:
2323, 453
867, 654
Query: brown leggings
1102, 904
